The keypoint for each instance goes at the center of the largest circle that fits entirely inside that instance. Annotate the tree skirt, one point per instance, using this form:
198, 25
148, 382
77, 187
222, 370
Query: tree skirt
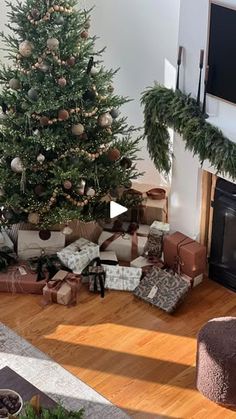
52, 379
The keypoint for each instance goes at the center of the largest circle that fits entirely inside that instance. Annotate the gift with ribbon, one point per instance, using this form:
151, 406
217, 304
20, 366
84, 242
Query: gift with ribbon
122, 278
78, 255
97, 277
20, 279
62, 289
126, 240
32, 243
184, 255
45, 266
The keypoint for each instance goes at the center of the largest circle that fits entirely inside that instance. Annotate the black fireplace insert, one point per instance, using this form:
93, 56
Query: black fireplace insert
222, 261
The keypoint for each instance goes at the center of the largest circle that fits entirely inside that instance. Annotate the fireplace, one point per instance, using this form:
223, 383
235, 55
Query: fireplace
222, 261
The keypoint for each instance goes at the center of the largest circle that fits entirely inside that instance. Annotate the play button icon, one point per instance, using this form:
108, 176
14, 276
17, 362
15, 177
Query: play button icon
116, 209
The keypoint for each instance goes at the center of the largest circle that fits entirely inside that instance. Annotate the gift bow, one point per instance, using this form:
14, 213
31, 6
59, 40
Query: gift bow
55, 285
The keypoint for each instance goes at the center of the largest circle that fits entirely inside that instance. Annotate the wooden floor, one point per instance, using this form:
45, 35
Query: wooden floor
138, 357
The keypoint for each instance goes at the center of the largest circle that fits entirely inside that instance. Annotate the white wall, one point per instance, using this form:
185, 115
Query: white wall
141, 38
185, 197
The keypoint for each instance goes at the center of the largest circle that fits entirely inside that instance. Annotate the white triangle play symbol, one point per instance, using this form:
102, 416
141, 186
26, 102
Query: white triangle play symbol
116, 209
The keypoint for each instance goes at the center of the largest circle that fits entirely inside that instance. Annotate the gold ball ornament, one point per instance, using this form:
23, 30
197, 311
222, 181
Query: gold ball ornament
62, 82
113, 154
63, 115
91, 192
25, 48
33, 218
77, 129
105, 120
40, 158
17, 165
14, 84
52, 44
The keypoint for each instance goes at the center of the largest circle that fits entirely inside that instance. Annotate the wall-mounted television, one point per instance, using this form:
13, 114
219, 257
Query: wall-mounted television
222, 53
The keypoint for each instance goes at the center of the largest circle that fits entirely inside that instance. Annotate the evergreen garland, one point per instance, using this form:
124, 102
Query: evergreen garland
165, 108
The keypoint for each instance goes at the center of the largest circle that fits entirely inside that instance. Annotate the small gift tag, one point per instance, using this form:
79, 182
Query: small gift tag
22, 270
153, 292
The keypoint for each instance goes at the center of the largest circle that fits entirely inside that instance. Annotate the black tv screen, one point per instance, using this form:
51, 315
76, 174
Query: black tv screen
222, 53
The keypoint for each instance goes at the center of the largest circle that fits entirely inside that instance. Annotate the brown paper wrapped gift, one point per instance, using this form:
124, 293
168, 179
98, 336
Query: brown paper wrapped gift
20, 279
62, 289
184, 255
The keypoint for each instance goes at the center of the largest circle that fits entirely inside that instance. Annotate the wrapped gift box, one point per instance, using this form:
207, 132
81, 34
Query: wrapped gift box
158, 226
184, 255
19, 279
78, 255
162, 289
122, 278
108, 258
30, 244
126, 246
62, 289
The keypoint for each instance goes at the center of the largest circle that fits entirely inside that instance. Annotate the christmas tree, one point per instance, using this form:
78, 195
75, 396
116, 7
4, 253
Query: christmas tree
64, 146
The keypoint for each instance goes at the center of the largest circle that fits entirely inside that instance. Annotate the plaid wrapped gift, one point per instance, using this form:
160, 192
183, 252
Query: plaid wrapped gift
162, 289
122, 278
78, 255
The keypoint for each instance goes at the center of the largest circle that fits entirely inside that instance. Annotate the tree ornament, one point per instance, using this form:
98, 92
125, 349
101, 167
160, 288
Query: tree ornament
110, 88
43, 67
14, 84
80, 187
62, 81
45, 234
67, 231
26, 48
33, 94
8, 214
33, 218
17, 165
94, 70
114, 113
89, 95
113, 154
53, 44
63, 115
105, 120
67, 184
91, 192
126, 163
77, 129
39, 190
35, 13
84, 34
41, 158
44, 121
70, 61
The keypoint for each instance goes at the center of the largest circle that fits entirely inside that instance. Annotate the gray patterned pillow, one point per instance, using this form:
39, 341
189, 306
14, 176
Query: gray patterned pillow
162, 289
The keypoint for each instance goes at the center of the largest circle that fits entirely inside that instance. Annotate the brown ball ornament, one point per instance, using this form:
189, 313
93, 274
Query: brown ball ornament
84, 34
126, 163
39, 190
67, 185
14, 84
44, 121
63, 115
113, 154
35, 13
62, 82
33, 218
77, 129
70, 61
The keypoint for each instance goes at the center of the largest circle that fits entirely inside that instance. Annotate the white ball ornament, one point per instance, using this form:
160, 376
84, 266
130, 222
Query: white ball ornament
67, 231
77, 129
105, 120
94, 71
33, 218
41, 158
52, 44
17, 165
91, 192
25, 48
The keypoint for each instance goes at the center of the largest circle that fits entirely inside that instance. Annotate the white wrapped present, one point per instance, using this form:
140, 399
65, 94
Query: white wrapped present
30, 244
126, 246
158, 226
78, 255
122, 278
